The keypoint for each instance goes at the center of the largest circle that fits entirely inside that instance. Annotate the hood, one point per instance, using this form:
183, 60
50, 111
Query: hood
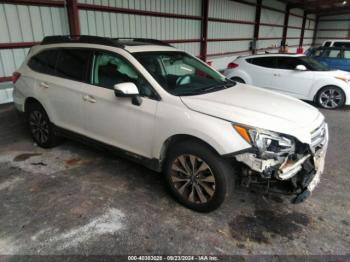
257, 107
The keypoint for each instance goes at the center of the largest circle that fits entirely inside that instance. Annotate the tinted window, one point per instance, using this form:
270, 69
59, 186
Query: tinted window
289, 63
269, 62
341, 44
44, 62
73, 64
110, 69
327, 44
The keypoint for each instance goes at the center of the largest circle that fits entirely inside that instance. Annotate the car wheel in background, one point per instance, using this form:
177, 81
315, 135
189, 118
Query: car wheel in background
41, 128
238, 79
330, 97
197, 176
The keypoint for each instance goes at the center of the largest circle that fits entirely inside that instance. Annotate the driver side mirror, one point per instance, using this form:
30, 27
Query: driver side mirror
301, 68
128, 89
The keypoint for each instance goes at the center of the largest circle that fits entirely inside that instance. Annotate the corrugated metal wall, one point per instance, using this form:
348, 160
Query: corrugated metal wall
229, 10
20, 23
333, 27
112, 24
230, 25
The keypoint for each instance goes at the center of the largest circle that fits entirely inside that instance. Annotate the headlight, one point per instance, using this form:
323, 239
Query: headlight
266, 141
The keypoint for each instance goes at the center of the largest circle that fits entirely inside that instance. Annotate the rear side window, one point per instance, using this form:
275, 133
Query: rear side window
44, 62
342, 44
335, 54
269, 62
327, 44
73, 64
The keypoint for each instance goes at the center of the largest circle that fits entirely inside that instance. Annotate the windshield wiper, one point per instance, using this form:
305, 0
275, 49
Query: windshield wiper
218, 86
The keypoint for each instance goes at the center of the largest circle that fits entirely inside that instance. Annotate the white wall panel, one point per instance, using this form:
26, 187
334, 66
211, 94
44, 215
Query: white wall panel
125, 25
20, 23
295, 21
227, 46
186, 7
275, 4
229, 30
231, 10
270, 31
271, 17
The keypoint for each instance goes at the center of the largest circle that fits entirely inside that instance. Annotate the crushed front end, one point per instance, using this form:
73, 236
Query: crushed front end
281, 164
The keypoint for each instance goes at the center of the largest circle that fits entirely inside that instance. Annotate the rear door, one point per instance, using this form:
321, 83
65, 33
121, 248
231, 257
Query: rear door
261, 70
66, 89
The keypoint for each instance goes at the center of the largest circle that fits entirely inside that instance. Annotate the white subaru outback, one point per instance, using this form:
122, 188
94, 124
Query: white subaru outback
171, 112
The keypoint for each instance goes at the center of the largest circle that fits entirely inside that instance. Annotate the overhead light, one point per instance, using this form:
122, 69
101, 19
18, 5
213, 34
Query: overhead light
345, 2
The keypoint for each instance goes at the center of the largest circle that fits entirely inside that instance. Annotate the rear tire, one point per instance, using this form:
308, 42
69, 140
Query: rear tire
41, 129
197, 176
330, 97
238, 80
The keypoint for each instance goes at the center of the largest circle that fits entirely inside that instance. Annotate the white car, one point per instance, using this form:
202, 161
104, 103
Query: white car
337, 43
295, 75
171, 112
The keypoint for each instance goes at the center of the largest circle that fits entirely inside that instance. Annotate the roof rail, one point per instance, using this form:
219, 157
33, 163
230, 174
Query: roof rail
87, 39
144, 40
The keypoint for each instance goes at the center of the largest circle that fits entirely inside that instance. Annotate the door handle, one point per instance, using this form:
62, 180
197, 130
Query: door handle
89, 98
276, 75
44, 85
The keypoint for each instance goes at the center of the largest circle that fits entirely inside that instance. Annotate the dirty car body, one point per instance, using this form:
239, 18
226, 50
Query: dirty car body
173, 113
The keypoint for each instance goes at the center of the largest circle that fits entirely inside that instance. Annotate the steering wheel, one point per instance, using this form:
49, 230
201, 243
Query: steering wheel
183, 80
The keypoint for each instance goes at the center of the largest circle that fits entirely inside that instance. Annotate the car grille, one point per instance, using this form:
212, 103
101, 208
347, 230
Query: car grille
318, 137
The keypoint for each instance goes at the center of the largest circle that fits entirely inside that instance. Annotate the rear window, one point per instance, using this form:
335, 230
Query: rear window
269, 62
73, 64
44, 62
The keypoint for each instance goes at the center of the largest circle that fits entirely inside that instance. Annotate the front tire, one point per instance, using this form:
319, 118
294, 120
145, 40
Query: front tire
197, 176
40, 127
330, 97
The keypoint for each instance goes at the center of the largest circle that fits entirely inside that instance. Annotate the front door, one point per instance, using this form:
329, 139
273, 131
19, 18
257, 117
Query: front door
116, 120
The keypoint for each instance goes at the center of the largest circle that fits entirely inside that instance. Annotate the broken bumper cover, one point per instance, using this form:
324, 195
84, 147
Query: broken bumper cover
303, 172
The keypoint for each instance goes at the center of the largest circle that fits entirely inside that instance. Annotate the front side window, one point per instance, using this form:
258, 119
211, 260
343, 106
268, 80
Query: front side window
180, 74
109, 69
290, 63
73, 64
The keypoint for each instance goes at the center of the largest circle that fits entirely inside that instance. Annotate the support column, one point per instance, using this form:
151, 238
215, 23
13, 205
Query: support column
316, 29
257, 24
204, 33
303, 30
285, 26
73, 17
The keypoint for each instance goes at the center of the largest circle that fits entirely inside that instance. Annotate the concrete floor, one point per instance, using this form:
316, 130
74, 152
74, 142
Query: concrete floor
76, 200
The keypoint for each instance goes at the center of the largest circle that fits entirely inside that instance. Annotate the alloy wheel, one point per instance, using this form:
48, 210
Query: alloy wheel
330, 98
39, 126
193, 179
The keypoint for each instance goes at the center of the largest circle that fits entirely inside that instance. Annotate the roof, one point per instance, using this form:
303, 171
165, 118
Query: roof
269, 55
320, 7
129, 44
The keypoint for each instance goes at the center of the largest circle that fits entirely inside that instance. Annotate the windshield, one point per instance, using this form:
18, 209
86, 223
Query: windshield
312, 64
181, 74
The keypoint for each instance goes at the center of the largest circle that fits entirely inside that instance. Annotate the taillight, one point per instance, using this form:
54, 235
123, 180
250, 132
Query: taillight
15, 77
232, 65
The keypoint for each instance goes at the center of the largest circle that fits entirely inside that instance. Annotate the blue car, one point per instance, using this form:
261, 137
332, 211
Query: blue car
333, 57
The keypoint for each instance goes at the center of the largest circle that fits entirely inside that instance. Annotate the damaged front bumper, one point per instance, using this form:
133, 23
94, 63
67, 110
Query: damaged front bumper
296, 175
